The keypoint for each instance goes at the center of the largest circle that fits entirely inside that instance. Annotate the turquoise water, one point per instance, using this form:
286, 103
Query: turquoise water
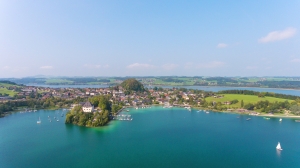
156, 137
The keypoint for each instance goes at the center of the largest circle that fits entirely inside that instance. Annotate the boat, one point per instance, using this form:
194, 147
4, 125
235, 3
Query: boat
280, 119
57, 120
278, 147
39, 121
297, 120
248, 119
207, 112
127, 110
267, 118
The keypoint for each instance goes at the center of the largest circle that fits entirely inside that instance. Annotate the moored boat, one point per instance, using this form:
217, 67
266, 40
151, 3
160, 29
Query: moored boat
39, 121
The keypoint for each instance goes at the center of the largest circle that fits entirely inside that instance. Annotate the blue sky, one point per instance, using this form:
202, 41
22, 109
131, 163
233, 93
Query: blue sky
145, 38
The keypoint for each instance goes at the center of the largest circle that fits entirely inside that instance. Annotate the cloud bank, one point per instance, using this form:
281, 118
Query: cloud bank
278, 35
140, 66
296, 60
207, 65
46, 67
222, 45
169, 66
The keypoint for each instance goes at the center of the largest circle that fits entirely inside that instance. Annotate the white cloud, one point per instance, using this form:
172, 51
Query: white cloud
6, 67
222, 45
46, 67
106, 66
169, 66
209, 65
91, 66
252, 67
268, 68
95, 66
278, 35
140, 66
296, 60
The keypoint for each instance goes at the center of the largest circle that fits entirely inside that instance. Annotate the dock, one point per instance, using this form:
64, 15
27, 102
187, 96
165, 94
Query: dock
123, 117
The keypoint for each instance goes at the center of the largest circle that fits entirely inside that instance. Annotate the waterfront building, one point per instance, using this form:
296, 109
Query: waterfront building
87, 107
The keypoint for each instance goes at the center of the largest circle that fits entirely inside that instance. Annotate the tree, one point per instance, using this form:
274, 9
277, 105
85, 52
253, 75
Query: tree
131, 85
295, 109
242, 103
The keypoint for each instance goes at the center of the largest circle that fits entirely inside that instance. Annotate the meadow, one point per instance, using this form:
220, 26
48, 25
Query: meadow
6, 91
246, 98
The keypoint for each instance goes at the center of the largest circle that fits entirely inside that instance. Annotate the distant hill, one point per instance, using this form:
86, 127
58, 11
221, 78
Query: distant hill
130, 85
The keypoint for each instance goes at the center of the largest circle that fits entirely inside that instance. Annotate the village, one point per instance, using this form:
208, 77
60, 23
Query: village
167, 97
159, 96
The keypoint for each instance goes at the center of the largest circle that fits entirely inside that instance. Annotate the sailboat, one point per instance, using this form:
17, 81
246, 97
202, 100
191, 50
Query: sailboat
39, 121
278, 147
280, 119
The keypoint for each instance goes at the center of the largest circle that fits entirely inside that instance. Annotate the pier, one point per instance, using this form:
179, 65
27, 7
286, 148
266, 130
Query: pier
123, 117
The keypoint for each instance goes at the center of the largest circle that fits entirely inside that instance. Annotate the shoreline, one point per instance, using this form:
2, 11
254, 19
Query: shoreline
247, 113
176, 86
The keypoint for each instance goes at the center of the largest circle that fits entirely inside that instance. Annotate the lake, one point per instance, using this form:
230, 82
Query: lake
156, 137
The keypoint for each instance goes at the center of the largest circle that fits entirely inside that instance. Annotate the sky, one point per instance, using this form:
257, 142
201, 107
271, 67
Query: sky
149, 38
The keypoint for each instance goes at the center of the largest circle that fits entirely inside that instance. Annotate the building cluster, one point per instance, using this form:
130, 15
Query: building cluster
163, 96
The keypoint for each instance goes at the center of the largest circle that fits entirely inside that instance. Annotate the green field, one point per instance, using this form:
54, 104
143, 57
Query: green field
6, 91
6, 85
246, 98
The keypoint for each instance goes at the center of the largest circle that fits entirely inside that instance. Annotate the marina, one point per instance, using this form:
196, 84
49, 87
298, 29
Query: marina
123, 117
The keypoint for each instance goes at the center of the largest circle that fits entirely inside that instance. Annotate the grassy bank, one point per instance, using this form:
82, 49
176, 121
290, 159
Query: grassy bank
246, 98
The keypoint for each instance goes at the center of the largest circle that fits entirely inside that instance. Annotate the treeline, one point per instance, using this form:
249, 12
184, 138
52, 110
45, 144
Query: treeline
262, 106
259, 94
172, 80
8, 82
51, 102
221, 80
103, 80
82, 80
281, 84
269, 107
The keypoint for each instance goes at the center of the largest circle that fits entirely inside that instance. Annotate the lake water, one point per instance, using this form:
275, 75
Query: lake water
156, 137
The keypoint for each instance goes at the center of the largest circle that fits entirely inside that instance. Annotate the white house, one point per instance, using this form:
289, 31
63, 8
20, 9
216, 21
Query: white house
87, 107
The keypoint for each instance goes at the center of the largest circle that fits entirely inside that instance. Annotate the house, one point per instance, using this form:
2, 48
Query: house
87, 107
